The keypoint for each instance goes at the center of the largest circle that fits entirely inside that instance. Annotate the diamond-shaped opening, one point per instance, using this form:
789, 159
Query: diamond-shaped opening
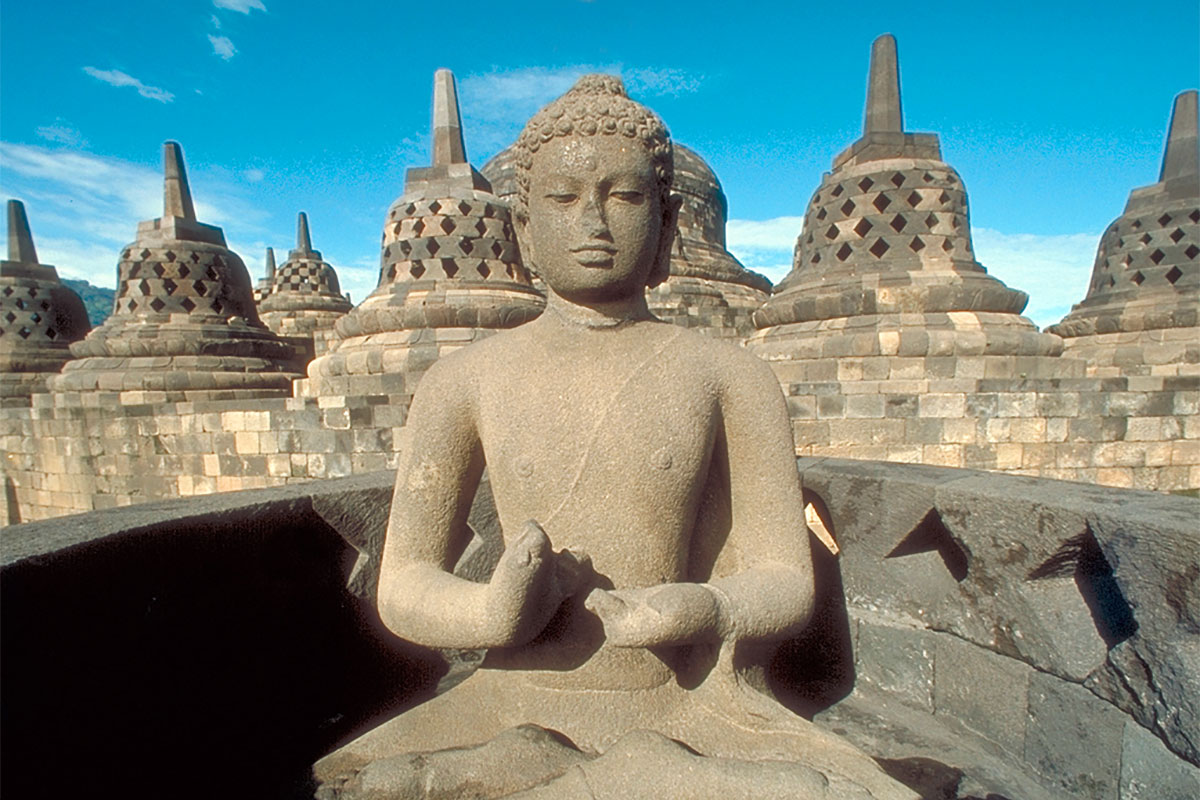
447, 224
435, 207
822, 214
450, 267
1192, 251
466, 246
881, 202
8, 290
914, 199
11, 317
416, 270
170, 256
843, 252
927, 178
480, 227
848, 207
419, 227
944, 197
217, 307
21, 302
1164, 220
170, 286
183, 271
38, 317
51, 333
1194, 216
832, 232
405, 247
1145, 238
863, 227
865, 184
1173, 275
1127, 260
1111, 282
809, 240
1157, 256
947, 245
33, 292
24, 332
488, 210
1121, 242
497, 249
916, 245
837, 191
1082, 558
1138, 277
433, 247
898, 180
144, 288
483, 269
157, 304
931, 220
464, 207
1176, 235
212, 274
45, 306
195, 258
816, 259
145, 254
879, 248
201, 287
1137, 224
410, 209
187, 304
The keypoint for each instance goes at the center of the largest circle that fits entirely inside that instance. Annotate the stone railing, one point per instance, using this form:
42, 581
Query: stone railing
977, 633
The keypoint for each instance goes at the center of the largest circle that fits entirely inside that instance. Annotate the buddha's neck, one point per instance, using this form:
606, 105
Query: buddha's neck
598, 315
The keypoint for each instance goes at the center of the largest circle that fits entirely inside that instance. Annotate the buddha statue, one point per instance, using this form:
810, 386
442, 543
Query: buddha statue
645, 483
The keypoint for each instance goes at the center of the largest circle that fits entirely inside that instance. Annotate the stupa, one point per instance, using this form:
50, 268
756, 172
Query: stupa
263, 287
708, 288
1141, 315
884, 267
39, 316
449, 274
305, 300
184, 322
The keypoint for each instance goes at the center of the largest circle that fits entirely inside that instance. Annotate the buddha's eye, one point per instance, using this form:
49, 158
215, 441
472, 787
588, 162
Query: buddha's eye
562, 197
632, 197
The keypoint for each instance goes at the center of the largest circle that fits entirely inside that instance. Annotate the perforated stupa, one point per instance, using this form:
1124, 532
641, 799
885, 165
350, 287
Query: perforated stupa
449, 273
39, 315
184, 322
305, 299
1141, 315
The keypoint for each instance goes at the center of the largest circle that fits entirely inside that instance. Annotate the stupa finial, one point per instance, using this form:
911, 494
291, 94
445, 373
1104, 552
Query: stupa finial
883, 89
303, 240
177, 195
448, 147
270, 263
20, 240
1181, 159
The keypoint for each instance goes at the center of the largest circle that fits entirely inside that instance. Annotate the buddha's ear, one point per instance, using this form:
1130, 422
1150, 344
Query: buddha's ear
670, 229
524, 243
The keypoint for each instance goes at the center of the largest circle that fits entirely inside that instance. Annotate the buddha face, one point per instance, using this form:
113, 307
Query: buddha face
595, 217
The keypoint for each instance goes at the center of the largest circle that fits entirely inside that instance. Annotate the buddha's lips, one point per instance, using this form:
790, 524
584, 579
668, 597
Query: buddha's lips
594, 255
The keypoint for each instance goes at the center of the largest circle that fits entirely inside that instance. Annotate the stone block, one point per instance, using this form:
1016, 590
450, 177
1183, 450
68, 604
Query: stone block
1149, 771
1073, 738
831, 406
984, 690
869, 406
942, 405
897, 661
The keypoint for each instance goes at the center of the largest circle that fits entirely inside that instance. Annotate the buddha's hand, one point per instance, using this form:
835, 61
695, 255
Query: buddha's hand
674, 613
529, 583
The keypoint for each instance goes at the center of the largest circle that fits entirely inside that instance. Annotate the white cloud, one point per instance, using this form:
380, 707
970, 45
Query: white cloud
114, 77
764, 245
216, 22
241, 6
222, 46
1053, 270
497, 104
61, 133
84, 207
254, 175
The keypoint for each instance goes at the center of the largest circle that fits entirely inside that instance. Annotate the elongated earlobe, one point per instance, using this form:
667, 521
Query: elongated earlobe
662, 264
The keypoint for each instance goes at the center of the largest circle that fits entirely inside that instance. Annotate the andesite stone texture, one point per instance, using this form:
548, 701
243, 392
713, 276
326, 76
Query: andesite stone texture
305, 300
1141, 315
184, 321
633, 598
707, 288
449, 274
39, 316
263, 287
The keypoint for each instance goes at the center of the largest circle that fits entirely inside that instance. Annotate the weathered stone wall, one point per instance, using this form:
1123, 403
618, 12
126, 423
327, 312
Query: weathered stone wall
977, 633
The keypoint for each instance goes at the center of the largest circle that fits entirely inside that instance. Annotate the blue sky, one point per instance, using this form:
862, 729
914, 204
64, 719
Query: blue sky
1051, 113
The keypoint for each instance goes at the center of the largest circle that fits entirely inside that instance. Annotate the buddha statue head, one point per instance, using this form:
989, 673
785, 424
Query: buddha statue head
593, 173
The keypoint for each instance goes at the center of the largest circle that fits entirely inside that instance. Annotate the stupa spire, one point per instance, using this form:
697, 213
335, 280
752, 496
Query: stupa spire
20, 240
303, 239
177, 195
448, 147
883, 113
1182, 153
270, 263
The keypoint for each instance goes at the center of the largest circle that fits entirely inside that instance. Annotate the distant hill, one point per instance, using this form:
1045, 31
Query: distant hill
97, 301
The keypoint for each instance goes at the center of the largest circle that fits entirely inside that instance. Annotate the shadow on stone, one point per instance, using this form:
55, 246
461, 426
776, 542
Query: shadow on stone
931, 535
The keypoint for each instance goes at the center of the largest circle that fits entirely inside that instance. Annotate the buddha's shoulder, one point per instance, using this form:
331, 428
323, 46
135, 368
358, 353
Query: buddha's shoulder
706, 354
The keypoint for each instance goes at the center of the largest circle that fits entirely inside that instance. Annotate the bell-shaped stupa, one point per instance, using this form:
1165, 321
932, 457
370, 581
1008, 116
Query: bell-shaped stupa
884, 265
39, 316
305, 300
449, 274
1141, 315
184, 321
707, 289
263, 287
